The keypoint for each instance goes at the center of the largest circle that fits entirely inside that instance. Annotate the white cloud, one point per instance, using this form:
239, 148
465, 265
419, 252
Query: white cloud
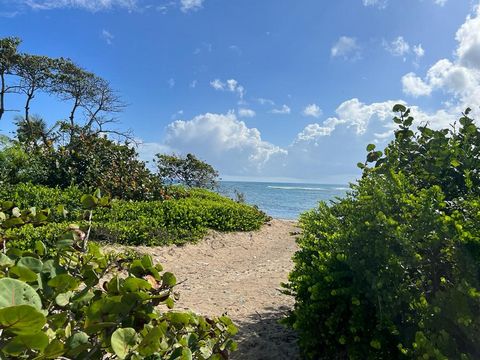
397, 47
107, 36
217, 84
230, 85
468, 37
237, 150
243, 112
414, 86
188, 5
91, 5
383, 3
171, 82
312, 110
264, 101
358, 115
232, 147
459, 77
418, 50
100, 5
347, 48
315, 131
282, 111
378, 3
193, 84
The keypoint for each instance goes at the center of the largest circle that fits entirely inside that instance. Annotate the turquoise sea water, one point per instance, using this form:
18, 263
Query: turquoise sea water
282, 200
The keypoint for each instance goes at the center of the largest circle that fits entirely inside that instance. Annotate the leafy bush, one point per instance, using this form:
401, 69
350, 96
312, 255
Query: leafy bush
26, 195
85, 304
177, 221
174, 221
392, 271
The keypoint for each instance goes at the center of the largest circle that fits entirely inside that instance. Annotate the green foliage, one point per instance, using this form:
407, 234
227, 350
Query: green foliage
86, 304
88, 162
186, 217
93, 162
26, 195
189, 171
392, 271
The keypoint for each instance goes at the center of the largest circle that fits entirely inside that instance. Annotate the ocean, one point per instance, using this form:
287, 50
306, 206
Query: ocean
283, 200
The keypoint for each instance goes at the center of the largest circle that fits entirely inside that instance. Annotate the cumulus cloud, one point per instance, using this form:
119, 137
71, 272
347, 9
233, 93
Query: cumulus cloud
468, 37
282, 111
235, 149
232, 146
312, 110
459, 77
415, 86
346, 48
358, 115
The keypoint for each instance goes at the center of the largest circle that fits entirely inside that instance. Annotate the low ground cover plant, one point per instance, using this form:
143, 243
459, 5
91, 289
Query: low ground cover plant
82, 303
186, 216
393, 270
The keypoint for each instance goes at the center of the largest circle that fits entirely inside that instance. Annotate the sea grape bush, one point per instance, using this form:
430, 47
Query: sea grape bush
392, 270
83, 303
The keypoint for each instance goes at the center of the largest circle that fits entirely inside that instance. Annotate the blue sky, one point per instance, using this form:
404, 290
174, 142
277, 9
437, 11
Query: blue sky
271, 89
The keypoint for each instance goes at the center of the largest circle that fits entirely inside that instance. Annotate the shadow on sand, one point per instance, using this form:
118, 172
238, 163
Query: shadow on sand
261, 337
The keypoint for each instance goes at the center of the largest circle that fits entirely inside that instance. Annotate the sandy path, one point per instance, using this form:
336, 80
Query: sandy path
240, 274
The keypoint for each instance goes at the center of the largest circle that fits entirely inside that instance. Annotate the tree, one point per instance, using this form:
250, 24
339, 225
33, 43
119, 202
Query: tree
8, 59
35, 74
189, 171
34, 132
92, 161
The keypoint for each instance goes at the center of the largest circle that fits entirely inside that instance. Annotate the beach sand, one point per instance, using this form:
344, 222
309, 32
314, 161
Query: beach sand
239, 274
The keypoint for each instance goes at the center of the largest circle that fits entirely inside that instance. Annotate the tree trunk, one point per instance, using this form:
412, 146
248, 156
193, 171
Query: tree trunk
2, 94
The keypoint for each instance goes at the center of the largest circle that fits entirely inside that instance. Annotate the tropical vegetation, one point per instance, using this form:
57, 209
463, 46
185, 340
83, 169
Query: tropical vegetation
392, 270
61, 294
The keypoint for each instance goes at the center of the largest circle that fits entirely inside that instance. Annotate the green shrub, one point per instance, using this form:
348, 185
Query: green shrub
185, 218
392, 271
86, 304
27, 195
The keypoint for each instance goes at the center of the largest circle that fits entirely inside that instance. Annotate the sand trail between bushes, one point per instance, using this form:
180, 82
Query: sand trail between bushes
240, 274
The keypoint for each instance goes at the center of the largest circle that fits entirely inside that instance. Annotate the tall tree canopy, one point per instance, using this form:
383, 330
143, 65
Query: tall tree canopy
187, 170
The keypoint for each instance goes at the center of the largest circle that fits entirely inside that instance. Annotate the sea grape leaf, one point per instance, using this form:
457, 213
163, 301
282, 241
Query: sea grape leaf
123, 341
31, 263
21, 319
20, 343
15, 292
